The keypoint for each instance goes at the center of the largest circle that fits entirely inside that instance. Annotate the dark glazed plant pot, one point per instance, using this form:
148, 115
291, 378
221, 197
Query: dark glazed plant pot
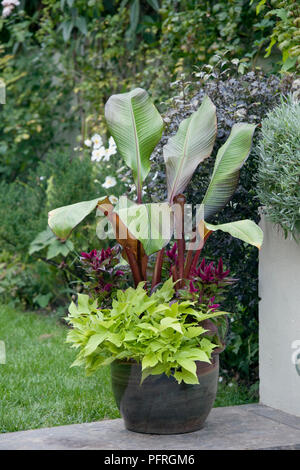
160, 405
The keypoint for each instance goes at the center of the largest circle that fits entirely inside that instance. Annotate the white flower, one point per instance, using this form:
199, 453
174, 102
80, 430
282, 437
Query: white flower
107, 153
99, 151
88, 142
220, 379
97, 141
113, 199
9, 6
109, 182
42, 178
97, 154
112, 143
230, 385
111, 150
7, 11
12, 3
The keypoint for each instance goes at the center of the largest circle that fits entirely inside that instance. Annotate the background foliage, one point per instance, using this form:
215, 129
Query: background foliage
283, 18
61, 60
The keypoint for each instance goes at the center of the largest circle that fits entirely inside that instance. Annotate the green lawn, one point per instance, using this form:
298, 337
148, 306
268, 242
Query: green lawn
39, 389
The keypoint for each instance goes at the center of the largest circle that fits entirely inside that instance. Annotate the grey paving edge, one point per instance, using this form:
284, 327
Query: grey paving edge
229, 428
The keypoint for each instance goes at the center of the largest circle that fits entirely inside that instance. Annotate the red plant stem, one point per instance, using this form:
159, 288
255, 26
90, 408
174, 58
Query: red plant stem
139, 193
140, 260
139, 257
174, 275
180, 199
180, 244
137, 277
157, 269
188, 262
144, 267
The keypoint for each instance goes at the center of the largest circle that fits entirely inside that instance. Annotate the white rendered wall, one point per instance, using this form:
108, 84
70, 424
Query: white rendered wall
279, 320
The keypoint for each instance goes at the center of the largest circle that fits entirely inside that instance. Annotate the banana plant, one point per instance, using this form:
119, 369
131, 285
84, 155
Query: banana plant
136, 126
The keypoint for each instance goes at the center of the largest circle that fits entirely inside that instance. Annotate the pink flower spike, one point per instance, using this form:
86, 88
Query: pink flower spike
210, 266
202, 265
192, 288
172, 254
220, 266
212, 306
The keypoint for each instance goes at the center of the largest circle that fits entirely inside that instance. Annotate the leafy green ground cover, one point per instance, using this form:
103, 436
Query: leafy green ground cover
39, 389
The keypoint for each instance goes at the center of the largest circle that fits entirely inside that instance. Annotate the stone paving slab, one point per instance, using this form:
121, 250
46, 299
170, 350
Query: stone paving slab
234, 427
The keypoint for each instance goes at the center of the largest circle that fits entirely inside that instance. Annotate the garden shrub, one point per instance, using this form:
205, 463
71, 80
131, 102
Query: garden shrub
283, 17
57, 181
279, 166
193, 32
35, 117
54, 181
238, 97
34, 284
21, 208
62, 60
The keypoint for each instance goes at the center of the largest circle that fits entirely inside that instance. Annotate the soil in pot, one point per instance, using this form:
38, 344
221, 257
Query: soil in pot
160, 405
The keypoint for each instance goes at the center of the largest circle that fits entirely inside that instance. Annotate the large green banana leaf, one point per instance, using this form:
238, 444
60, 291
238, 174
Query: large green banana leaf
246, 230
64, 219
136, 126
190, 146
151, 224
229, 160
